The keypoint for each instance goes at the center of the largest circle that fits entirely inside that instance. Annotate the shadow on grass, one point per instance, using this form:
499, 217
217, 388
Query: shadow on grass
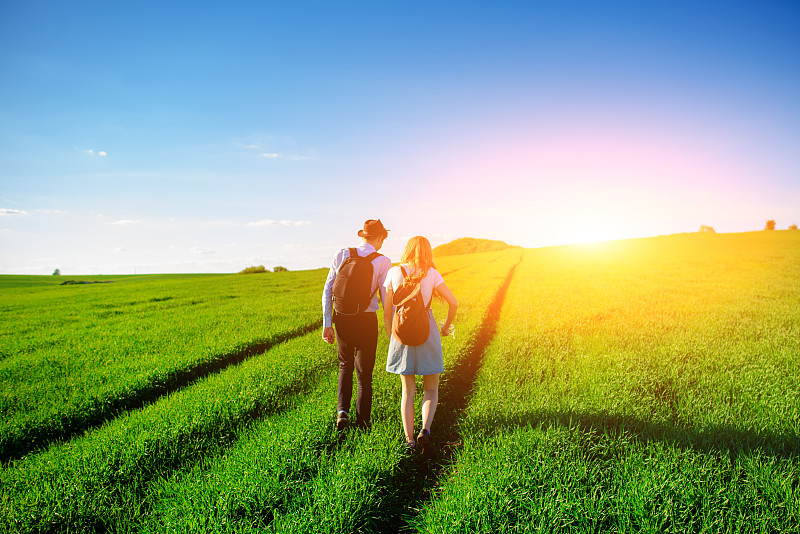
412, 482
102, 410
409, 485
186, 449
129, 475
714, 439
301, 475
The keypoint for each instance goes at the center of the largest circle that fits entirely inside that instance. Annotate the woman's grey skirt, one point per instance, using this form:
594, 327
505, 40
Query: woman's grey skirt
425, 359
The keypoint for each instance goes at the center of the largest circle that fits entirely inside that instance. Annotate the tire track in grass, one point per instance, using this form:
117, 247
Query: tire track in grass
258, 478
414, 480
498, 257
359, 487
103, 410
363, 490
101, 480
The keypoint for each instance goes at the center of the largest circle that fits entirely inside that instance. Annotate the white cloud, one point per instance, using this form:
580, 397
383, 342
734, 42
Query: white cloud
119, 249
101, 153
283, 222
198, 250
270, 155
9, 211
126, 222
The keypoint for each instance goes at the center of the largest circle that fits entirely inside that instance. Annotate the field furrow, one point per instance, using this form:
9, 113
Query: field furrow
636, 387
385, 489
644, 385
292, 474
127, 343
95, 481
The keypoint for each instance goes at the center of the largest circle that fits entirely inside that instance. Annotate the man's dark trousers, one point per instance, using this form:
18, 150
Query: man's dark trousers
356, 342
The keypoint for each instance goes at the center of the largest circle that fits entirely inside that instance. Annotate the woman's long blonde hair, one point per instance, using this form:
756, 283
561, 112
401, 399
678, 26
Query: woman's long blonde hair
418, 254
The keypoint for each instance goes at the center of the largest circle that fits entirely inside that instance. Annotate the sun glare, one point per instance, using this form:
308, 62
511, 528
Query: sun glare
590, 230
573, 234
593, 235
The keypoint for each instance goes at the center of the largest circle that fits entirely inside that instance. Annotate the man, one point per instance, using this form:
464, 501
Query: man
356, 335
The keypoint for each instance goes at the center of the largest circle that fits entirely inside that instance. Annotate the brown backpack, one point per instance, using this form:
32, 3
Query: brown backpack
410, 321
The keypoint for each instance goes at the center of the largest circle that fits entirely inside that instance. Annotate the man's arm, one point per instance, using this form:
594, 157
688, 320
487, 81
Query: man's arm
328, 334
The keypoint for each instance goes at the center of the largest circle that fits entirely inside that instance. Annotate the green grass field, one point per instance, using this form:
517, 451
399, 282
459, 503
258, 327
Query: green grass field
74, 356
647, 385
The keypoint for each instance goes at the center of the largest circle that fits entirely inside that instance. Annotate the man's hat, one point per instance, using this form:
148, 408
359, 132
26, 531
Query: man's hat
373, 228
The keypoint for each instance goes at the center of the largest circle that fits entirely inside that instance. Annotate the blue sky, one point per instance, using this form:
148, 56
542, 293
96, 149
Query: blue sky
206, 137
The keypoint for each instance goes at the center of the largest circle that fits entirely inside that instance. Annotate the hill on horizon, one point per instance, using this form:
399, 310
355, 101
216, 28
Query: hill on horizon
470, 245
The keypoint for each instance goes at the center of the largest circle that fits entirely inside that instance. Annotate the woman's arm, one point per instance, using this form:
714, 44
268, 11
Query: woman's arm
452, 306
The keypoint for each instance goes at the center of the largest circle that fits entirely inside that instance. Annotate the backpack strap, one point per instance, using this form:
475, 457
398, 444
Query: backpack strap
369, 258
405, 274
430, 302
353, 254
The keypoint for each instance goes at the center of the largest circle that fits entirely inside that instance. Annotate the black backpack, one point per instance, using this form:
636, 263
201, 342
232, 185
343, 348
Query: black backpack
410, 321
351, 288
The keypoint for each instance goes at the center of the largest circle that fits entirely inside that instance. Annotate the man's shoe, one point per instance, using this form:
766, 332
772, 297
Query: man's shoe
342, 422
362, 425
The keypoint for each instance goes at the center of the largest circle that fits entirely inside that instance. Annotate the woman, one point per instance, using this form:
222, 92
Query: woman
425, 359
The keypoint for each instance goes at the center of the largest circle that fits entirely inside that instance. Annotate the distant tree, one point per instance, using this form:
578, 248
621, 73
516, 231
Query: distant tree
707, 229
792, 227
279, 269
57, 272
770, 225
254, 269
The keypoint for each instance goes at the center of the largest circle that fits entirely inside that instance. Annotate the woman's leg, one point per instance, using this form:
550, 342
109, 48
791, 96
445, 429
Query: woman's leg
407, 406
430, 398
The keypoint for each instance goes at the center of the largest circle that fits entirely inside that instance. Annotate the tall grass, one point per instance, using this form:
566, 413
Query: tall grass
99, 481
291, 473
645, 385
75, 356
637, 386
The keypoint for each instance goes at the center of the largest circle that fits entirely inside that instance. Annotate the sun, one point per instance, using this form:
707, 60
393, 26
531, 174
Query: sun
590, 225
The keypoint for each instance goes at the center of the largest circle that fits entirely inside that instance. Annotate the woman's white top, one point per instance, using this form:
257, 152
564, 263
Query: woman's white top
394, 279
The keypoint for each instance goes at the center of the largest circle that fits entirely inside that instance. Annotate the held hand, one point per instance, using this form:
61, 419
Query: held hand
328, 334
387, 326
